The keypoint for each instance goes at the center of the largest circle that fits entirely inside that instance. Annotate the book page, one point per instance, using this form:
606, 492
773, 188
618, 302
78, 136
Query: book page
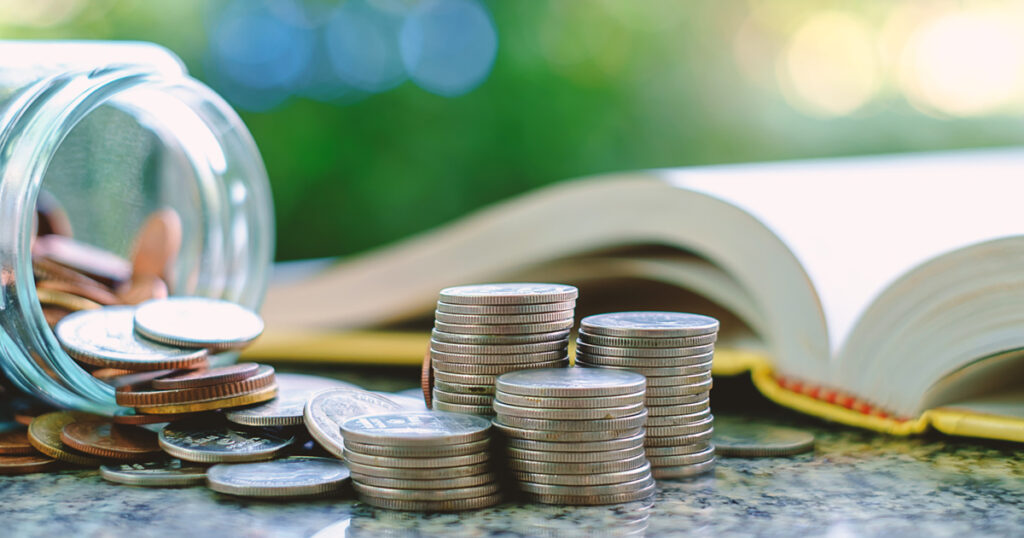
858, 224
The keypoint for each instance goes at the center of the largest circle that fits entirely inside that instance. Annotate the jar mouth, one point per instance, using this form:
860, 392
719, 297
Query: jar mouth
234, 217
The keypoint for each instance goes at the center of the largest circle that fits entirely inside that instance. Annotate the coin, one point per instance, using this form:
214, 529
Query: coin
416, 429
751, 440
12, 465
464, 399
455, 505
131, 398
683, 471
570, 403
678, 450
66, 301
460, 449
693, 364
680, 409
94, 262
653, 342
596, 479
622, 423
94, 293
616, 498
576, 457
647, 324
417, 463
499, 350
294, 390
547, 467
215, 443
157, 244
656, 401
459, 388
678, 440
288, 477
253, 397
205, 378
589, 446
526, 328
465, 379
536, 308
198, 322
44, 434
505, 319
674, 420
565, 437
436, 484
674, 391
15, 443
695, 373
643, 353
571, 382
681, 429
127, 378
425, 494
496, 369
168, 473
688, 384
500, 339
440, 358
509, 293
582, 491
429, 473
108, 440
579, 413
105, 337
142, 288
328, 409
426, 378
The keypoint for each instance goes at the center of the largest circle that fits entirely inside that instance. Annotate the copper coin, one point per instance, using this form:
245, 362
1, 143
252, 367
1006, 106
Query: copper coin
45, 269
54, 314
427, 379
247, 398
109, 373
142, 288
11, 465
94, 262
205, 378
95, 294
51, 218
45, 435
157, 244
130, 417
66, 301
129, 397
15, 443
109, 440
132, 379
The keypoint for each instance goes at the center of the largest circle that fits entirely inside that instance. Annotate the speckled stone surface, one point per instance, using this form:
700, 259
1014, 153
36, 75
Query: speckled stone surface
854, 484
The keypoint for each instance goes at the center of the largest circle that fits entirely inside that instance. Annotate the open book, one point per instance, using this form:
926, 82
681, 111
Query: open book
897, 281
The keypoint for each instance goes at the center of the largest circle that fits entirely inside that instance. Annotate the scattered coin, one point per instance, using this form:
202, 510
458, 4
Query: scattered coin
108, 440
12, 465
168, 473
647, 324
207, 377
215, 443
288, 477
105, 337
294, 390
44, 434
198, 322
328, 409
15, 443
252, 397
751, 440
130, 397
93, 262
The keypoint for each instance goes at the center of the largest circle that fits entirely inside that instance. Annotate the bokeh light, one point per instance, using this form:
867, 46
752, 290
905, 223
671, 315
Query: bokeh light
362, 45
448, 46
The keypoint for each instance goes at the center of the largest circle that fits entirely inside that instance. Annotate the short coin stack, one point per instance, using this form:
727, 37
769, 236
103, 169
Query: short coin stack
483, 331
674, 351
575, 435
427, 461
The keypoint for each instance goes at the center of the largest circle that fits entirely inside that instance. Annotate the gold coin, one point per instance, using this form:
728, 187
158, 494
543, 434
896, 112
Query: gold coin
64, 300
44, 434
261, 395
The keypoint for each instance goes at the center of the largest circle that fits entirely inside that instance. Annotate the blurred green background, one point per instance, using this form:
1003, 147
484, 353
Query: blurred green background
379, 119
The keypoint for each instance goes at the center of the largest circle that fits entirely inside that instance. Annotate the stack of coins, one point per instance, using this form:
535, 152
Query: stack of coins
575, 435
674, 351
483, 331
427, 461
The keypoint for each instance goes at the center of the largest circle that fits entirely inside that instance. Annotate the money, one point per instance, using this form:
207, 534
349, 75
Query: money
428, 428
441, 484
208, 377
537, 308
677, 460
509, 294
481, 410
751, 440
506, 319
465, 399
420, 494
427, 473
562, 337
571, 382
288, 477
456, 505
643, 353
197, 322
287, 409
579, 413
27, 464
168, 473
109, 440
615, 498
461, 388
498, 350
621, 423
649, 324
15, 443
683, 471
417, 462
571, 403
439, 451
44, 435
529, 328
652, 342
617, 443
205, 442
129, 397
328, 409
441, 358
498, 369
563, 436
595, 479
576, 457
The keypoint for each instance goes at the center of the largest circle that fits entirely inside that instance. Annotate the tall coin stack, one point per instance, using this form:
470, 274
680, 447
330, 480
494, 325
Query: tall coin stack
575, 435
674, 351
427, 461
483, 331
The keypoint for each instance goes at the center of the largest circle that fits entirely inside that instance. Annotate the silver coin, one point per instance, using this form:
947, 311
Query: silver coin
417, 463
526, 328
498, 360
641, 342
580, 413
683, 471
293, 391
616, 498
681, 429
570, 403
547, 467
106, 336
622, 423
496, 369
536, 308
508, 319
698, 361
679, 440
465, 379
745, 439
426, 494
644, 352
416, 429
439, 484
647, 324
683, 459
697, 372
680, 409
481, 410
459, 388
676, 391
168, 473
429, 473
219, 443
464, 399
678, 450
596, 479
565, 437
327, 409
509, 293
501, 349
500, 339
656, 401
693, 383
675, 420
577, 446
580, 491
575, 457
460, 449
198, 322
571, 382
288, 477
454, 505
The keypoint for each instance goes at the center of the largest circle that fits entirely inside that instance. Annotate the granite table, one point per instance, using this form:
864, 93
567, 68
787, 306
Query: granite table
855, 483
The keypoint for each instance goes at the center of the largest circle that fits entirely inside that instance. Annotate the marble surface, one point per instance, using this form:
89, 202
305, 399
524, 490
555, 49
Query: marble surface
854, 484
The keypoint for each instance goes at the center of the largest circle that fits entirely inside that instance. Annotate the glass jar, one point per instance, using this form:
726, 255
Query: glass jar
115, 131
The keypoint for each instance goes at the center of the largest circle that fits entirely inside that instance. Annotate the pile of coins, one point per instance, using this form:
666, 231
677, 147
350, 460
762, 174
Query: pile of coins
428, 461
483, 331
575, 435
674, 351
